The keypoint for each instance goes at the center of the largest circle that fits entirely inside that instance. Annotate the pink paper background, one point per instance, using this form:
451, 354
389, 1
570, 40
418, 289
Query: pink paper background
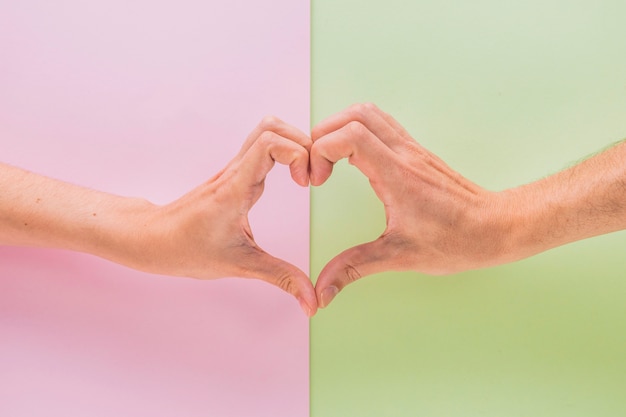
150, 98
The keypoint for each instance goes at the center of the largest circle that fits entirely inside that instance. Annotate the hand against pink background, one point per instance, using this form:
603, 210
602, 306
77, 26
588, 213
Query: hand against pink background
204, 234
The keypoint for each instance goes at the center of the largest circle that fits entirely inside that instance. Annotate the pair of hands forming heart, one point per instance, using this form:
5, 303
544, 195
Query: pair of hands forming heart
437, 221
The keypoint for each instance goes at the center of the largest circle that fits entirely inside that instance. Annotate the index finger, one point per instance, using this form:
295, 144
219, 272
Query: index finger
355, 142
275, 125
269, 148
369, 115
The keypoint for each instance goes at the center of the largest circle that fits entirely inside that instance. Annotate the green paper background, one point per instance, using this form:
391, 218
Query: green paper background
505, 92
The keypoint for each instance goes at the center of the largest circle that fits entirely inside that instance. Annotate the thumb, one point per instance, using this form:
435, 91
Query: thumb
285, 276
349, 266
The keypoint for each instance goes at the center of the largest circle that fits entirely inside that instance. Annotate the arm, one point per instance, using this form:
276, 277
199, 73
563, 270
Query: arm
438, 222
585, 200
204, 234
40, 211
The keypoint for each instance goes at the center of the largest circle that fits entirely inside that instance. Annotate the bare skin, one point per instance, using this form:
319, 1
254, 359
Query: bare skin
438, 222
204, 234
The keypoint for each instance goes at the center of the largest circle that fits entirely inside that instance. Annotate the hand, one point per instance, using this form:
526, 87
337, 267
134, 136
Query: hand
206, 233
437, 221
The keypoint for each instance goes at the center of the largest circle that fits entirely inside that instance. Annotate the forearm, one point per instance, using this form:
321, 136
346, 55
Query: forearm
586, 200
40, 211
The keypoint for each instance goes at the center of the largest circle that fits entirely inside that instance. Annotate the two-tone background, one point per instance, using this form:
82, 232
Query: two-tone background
150, 99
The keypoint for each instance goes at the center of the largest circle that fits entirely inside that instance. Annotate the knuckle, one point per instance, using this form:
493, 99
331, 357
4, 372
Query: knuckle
270, 122
361, 111
352, 274
356, 128
357, 112
267, 139
370, 107
284, 281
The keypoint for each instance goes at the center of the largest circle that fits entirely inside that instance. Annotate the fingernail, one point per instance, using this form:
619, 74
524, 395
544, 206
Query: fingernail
328, 294
305, 307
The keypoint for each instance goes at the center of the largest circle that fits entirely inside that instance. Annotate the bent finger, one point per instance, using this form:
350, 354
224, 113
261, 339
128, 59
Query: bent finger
270, 147
371, 117
276, 125
357, 143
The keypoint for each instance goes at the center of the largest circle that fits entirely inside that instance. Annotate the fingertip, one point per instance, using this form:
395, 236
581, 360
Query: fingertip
304, 178
300, 176
327, 286
314, 180
327, 295
304, 306
320, 178
304, 292
321, 169
308, 299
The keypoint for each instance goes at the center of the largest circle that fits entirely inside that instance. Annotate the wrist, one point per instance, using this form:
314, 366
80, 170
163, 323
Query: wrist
530, 222
126, 233
494, 239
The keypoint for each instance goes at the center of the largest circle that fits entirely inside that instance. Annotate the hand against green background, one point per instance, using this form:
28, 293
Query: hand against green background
437, 221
